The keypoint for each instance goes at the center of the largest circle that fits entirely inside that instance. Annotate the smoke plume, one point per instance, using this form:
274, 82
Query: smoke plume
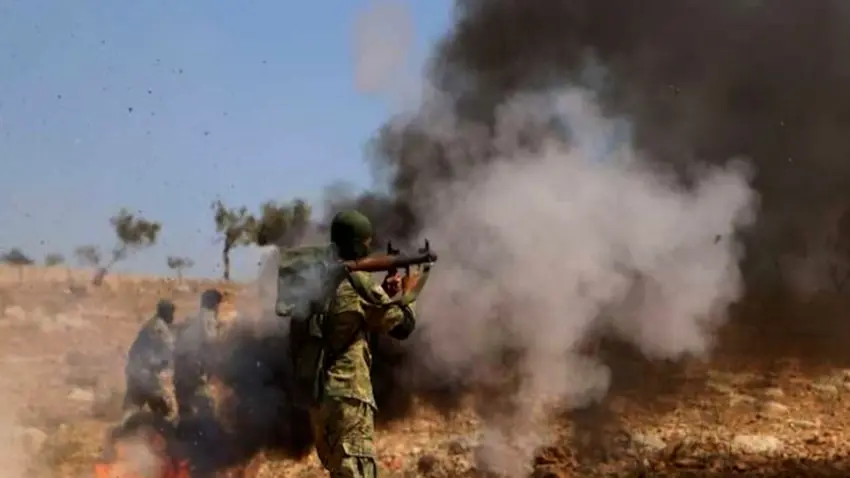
699, 81
574, 163
556, 220
565, 231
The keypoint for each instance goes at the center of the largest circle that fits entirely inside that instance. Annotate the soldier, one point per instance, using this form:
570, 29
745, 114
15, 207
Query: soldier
343, 419
148, 357
193, 358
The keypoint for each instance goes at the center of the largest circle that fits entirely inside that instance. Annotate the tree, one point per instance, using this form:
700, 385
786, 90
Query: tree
15, 257
282, 224
133, 233
179, 264
88, 256
237, 228
54, 259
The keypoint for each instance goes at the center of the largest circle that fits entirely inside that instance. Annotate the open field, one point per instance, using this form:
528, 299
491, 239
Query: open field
774, 402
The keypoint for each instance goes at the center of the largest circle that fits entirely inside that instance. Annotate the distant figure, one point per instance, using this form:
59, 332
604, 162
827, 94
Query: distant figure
193, 357
149, 356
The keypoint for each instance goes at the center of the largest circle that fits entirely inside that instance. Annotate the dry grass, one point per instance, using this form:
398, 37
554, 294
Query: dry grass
62, 366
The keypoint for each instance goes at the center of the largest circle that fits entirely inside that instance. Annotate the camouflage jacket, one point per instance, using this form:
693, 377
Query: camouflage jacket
192, 350
351, 318
152, 349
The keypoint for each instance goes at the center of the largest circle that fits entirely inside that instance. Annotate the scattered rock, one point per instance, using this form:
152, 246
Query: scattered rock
756, 444
80, 395
772, 408
741, 399
825, 388
803, 423
648, 441
459, 446
720, 387
774, 392
427, 464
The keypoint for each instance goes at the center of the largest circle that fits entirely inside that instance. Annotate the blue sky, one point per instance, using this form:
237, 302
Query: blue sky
162, 106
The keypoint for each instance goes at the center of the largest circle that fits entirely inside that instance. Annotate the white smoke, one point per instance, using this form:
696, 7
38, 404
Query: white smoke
540, 249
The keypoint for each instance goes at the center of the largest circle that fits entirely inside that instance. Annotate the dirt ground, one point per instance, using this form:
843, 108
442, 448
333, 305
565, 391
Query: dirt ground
751, 411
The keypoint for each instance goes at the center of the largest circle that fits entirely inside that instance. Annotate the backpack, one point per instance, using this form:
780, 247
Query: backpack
307, 279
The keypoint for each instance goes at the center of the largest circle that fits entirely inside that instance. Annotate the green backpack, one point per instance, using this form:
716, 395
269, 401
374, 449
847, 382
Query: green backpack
307, 277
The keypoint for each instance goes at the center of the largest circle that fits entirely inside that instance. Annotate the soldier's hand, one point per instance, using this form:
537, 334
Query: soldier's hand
410, 281
392, 284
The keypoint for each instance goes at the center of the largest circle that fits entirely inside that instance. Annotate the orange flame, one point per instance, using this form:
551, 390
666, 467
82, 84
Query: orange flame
168, 468
108, 470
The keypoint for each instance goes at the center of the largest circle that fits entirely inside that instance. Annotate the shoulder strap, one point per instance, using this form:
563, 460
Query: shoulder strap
363, 292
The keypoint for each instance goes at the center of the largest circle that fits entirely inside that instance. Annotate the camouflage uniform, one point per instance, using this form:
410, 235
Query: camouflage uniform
343, 422
148, 357
192, 359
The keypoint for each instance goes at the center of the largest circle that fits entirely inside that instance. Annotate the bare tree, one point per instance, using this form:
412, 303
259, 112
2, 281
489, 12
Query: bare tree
133, 233
237, 228
16, 257
179, 264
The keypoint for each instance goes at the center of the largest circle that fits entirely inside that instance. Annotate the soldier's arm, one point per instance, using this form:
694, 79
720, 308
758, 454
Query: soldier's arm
398, 321
377, 313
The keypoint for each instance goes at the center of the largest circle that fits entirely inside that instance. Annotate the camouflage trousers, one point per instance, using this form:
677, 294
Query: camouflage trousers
145, 389
344, 429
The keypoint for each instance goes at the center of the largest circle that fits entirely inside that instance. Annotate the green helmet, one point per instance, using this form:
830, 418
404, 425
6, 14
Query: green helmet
349, 232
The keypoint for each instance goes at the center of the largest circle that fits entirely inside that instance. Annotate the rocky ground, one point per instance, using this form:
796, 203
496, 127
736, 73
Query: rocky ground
745, 413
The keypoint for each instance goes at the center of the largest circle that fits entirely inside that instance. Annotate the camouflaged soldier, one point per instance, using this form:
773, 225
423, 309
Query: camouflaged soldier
192, 358
149, 356
343, 421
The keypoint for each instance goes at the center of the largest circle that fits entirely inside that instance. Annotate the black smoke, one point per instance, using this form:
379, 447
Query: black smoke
699, 80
